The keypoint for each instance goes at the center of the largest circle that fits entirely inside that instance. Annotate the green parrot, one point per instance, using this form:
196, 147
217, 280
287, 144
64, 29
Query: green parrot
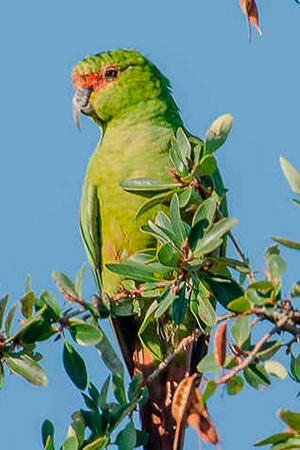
130, 100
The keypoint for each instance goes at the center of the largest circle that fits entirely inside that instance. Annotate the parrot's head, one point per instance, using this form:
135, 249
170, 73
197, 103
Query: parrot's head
110, 84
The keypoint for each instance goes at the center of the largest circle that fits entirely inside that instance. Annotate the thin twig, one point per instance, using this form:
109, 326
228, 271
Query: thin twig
186, 342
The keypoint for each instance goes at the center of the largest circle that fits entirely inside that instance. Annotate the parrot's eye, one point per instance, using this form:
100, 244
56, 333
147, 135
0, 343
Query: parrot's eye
110, 73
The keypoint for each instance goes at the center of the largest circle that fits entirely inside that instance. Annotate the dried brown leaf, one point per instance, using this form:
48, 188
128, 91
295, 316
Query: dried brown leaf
249, 8
220, 344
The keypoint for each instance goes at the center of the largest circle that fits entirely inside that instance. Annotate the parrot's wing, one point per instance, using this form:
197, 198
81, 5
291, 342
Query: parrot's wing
90, 227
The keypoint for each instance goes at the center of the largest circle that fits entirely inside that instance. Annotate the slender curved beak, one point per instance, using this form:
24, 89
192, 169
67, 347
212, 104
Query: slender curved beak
81, 104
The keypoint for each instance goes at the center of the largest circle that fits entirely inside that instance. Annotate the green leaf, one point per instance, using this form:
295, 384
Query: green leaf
197, 233
154, 201
210, 388
47, 430
164, 303
206, 210
53, 309
9, 319
224, 289
184, 196
142, 438
292, 419
168, 255
291, 174
275, 439
2, 375
70, 443
84, 333
77, 427
179, 306
146, 185
135, 386
148, 331
235, 385
204, 308
74, 366
295, 291
183, 143
213, 237
119, 388
239, 305
65, 285
3, 304
295, 367
240, 331
286, 242
233, 263
108, 354
97, 444
277, 266
268, 350
79, 280
176, 221
139, 272
276, 369
256, 376
217, 133
208, 364
126, 439
27, 368
27, 303
103, 393
39, 330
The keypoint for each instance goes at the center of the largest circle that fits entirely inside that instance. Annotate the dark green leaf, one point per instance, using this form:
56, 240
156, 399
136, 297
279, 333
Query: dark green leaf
84, 333
179, 306
291, 174
164, 303
27, 368
142, 438
286, 242
27, 303
224, 289
256, 376
126, 439
47, 430
65, 285
103, 393
217, 133
292, 419
135, 386
207, 166
74, 366
235, 385
148, 331
269, 349
202, 306
2, 375
3, 303
197, 232
49, 445
40, 330
119, 388
233, 263
240, 330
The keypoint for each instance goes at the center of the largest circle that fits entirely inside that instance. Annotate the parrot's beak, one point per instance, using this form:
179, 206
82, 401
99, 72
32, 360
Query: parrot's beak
81, 104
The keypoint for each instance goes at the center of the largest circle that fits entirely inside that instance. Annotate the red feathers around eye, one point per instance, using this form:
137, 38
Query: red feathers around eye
95, 81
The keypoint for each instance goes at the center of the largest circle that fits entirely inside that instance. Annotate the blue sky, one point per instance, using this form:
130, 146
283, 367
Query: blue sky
203, 48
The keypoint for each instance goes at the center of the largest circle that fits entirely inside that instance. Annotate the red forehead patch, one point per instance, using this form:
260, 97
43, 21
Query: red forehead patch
92, 81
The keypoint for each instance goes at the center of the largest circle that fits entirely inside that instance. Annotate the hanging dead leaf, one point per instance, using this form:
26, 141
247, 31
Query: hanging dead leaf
220, 344
199, 419
249, 8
